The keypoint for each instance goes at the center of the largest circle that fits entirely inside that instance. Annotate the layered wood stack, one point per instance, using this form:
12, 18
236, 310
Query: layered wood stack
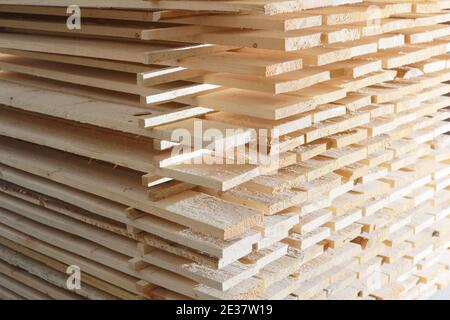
347, 198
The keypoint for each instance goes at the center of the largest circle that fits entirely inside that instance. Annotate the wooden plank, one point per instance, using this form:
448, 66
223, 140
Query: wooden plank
226, 250
287, 82
177, 209
126, 117
22, 289
222, 279
57, 278
283, 22
126, 151
104, 79
244, 101
114, 14
103, 49
242, 61
265, 7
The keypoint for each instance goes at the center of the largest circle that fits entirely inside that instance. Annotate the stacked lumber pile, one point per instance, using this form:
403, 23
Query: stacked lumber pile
125, 149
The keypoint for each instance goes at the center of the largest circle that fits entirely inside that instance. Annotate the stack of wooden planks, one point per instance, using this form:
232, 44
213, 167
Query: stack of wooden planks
249, 149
